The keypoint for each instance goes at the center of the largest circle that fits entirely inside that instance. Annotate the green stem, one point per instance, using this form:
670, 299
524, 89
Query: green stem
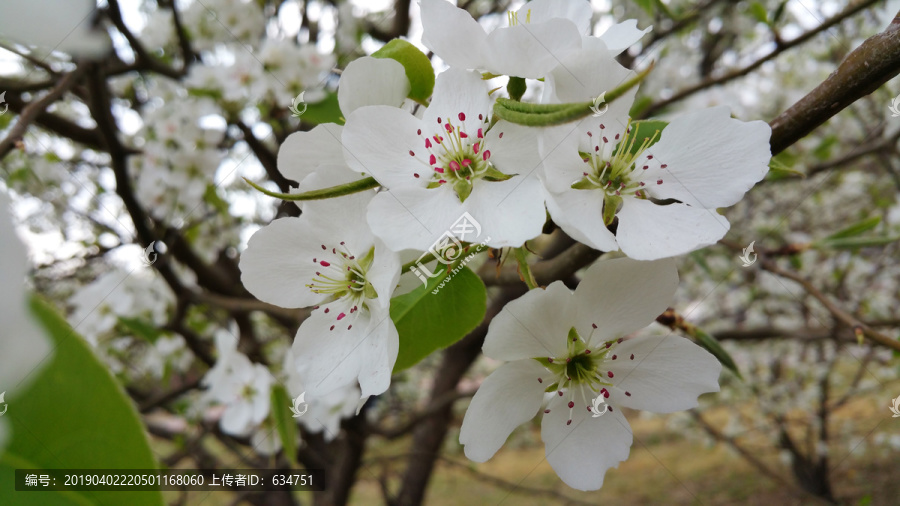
409, 265
524, 269
556, 114
325, 193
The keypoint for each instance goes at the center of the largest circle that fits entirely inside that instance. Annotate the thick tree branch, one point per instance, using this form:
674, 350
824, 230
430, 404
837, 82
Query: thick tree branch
31, 111
780, 47
865, 69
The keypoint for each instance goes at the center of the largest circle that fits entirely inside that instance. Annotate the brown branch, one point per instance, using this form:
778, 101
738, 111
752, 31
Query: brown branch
865, 69
560, 267
415, 419
429, 435
842, 316
35, 108
748, 456
780, 47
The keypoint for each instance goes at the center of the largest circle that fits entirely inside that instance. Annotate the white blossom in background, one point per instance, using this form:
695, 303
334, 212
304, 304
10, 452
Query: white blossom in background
449, 162
540, 34
573, 346
324, 412
96, 307
600, 170
243, 387
289, 69
210, 22
22, 341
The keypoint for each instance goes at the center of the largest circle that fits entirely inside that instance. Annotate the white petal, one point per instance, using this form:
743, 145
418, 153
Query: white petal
452, 34
237, 419
534, 325
622, 295
532, 50
21, 339
648, 231
586, 73
576, 11
517, 151
413, 218
623, 35
507, 398
457, 91
510, 212
582, 452
667, 374
331, 355
580, 214
372, 81
377, 140
55, 25
303, 152
278, 263
712, 159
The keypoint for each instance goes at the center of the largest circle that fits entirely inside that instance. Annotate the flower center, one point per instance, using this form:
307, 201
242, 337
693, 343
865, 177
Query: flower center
343, 276
613, 167
458, 158
582, 370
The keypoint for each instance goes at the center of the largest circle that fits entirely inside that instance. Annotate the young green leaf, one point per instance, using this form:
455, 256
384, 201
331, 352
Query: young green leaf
855, 229
418, 67
284, 422
428, 321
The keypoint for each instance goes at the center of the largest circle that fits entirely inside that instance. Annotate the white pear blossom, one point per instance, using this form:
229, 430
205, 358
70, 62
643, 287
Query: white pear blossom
664, 195
241, 385
540, 34
365, 81
449, 162
329, 259
323, 412
573, 346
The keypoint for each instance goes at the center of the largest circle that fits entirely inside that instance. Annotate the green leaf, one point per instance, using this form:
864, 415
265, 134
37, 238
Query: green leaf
758, 11
140, 328
284, 422
780, 168
418, 67
73, 416
647, 5
326, 111
853, 243
856, 229
427, 322
823, 150
710, 344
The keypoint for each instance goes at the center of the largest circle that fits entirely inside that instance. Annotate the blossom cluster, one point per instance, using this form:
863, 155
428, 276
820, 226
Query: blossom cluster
604, 180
